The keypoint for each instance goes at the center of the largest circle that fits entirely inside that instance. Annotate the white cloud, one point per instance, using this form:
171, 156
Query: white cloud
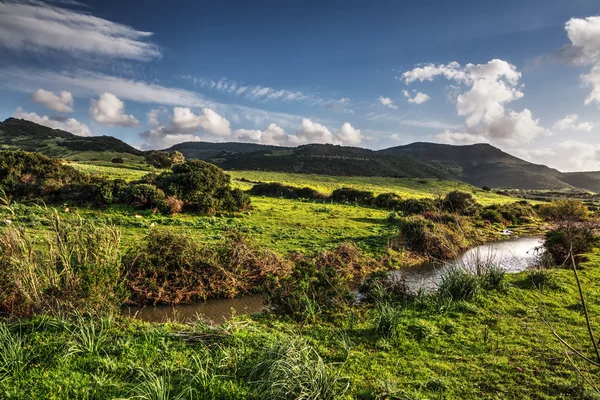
348, 135
184, 120
338, 105
569, 123
273, 135
584, 34
62, 102
566, 156
69, 125
108, 110
418, 98
39, 26
460, 138
154, 116
386, 101
486, 90
85, 83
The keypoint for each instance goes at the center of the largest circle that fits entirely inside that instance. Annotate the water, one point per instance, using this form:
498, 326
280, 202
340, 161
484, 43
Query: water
212, 311
514, 255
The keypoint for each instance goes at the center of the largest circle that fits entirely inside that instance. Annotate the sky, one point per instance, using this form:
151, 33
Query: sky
521, 75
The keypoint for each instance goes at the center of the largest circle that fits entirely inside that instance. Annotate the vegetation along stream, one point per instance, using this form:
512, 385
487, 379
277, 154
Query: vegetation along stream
513, 255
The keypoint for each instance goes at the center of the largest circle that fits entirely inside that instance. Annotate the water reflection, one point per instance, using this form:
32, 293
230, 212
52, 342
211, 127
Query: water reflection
513, 255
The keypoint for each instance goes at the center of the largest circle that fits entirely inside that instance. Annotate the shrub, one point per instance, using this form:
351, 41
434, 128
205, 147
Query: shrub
117, 160
322, 283
565, 240
174, 205
564, 211
416, 206
460, 202
433, 239
142, 195
163, 159
24, 174
389, 201
492, 215
76, 268
352, 195
486, 188
171, 268
192, 179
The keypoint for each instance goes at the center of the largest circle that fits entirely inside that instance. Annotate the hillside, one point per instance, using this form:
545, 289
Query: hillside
478, 164
208, 150
483, 165
29, 136
331, 160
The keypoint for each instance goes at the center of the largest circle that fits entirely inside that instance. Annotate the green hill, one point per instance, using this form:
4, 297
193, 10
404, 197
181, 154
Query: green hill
29, 136
331, 160
484, 165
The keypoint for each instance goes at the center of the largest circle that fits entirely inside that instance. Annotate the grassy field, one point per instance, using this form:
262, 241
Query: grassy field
497, 346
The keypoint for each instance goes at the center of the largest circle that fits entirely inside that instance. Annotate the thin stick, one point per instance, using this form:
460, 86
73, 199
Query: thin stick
583, 303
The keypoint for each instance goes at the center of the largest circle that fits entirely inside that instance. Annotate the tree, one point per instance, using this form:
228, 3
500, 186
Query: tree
193, 179
163, 159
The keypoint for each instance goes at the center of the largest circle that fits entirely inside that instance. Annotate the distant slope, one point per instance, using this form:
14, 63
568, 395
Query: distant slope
331, 160
483, 165
29, 136
478, 164
208, 150
586, 180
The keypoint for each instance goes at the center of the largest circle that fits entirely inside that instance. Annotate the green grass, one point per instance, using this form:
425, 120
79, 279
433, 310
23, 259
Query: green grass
405, 187
496, 346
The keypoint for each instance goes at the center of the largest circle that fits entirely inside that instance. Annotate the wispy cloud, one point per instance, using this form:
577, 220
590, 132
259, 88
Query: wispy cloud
38, 26
404, 119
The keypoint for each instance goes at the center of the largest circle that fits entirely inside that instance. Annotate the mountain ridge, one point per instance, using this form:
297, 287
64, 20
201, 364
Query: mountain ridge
478, 164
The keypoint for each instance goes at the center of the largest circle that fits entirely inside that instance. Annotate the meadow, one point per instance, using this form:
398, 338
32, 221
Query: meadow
487, 335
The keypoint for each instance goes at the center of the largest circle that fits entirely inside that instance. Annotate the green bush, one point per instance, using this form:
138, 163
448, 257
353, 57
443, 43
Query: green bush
576, 239
275, 189
460, 202
564, 211
24, 174
390, 201
352, 196
434, 239
320, 284
416, 206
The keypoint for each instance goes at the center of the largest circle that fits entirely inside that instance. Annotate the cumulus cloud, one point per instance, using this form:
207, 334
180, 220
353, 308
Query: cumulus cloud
569, 123
273, 135
184, 120
417, 98
108, 110
39, 26
65, 124
386, 101
584, 34
62, 102
484, 92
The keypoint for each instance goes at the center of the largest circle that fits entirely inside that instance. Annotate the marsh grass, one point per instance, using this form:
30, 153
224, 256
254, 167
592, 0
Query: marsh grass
14, 358
76, 266
292, 369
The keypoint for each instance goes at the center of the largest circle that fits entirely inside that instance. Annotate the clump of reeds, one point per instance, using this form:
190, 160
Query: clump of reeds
75, 266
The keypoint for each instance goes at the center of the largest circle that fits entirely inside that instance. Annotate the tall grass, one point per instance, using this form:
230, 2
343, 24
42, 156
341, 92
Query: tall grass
14, 357
76, 265
294, 370
88, 336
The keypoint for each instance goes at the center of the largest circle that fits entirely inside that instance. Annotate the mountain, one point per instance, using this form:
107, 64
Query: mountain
330, 160
29, 136
587, 180
483, 165
208, 150
478, 164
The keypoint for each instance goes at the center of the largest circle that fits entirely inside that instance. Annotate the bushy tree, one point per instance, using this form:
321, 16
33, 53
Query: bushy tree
192, 179
460, 202
564, 211
163, 159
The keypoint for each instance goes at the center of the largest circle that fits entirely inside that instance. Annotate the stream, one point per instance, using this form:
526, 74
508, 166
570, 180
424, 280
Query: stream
514, 255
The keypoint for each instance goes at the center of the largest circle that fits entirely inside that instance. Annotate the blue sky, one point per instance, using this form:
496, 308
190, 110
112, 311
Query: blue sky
522, 75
